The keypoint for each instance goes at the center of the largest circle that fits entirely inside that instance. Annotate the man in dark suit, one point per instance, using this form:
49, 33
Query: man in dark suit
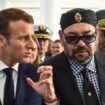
17, 46
79, 72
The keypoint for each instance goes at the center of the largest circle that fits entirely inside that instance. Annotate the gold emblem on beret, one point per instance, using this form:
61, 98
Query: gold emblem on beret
42, 27
78, 17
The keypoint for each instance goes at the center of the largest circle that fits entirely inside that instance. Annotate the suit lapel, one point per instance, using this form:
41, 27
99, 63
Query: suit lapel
20, 94
70, 86
46, 58
101, 70
67, 81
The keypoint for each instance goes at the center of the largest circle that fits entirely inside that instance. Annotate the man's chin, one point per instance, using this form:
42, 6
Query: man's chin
26, 60
84, 60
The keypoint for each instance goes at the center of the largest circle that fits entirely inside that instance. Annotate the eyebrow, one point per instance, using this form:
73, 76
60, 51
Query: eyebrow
85, 32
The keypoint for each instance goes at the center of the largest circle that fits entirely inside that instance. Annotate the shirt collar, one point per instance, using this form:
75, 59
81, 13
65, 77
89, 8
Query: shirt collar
3, 66
91, 66
77, 68
42, 59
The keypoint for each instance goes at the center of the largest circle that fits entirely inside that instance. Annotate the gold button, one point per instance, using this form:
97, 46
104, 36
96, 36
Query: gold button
89, 93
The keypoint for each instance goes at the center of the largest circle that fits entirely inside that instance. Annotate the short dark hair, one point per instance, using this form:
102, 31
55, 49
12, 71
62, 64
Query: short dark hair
12, 14
58, 41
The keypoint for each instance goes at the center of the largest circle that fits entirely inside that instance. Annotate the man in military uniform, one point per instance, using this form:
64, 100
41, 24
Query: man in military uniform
101, 24
43, 34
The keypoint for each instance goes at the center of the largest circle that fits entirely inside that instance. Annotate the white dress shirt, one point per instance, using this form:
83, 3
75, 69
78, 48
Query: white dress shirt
42, 59
3, 79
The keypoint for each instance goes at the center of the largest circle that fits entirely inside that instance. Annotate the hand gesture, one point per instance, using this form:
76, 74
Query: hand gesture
45, 85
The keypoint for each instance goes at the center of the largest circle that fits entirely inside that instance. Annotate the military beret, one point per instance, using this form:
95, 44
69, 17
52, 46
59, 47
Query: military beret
78, 15
43, 32
101, 19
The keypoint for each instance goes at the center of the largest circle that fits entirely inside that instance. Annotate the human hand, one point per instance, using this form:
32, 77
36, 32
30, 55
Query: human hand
45, 85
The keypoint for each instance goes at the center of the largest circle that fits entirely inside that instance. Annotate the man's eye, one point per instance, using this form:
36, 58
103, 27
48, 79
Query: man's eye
23, 39
34, 38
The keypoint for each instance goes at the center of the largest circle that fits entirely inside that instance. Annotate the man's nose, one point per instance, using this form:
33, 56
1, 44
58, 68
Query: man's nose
31, 44
81, 43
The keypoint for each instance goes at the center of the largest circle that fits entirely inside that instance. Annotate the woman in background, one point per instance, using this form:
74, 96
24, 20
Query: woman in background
36, 56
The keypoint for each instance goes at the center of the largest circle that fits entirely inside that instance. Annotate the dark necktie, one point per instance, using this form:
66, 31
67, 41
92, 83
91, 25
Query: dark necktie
9, 87
90, 96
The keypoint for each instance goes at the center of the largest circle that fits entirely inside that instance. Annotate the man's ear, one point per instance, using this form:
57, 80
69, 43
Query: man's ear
97, 33
2, 41
60, 34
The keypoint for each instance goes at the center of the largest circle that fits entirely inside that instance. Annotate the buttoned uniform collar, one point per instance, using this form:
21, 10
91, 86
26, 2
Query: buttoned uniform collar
3, 66
77, 68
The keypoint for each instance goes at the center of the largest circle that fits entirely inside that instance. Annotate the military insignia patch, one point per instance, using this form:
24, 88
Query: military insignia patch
78, 17
42, 27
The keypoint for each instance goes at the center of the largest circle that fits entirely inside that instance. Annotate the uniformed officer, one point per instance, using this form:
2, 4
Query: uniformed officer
43, 34
101, 24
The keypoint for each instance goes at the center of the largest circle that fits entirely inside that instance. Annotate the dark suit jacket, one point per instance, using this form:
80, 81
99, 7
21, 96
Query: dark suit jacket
47, 57
25, 95
65, 83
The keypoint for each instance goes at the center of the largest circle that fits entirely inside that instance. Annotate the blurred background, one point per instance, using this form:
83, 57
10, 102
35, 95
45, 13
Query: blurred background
49, 11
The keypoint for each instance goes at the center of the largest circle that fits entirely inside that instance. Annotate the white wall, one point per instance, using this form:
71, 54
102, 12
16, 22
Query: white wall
33, 6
